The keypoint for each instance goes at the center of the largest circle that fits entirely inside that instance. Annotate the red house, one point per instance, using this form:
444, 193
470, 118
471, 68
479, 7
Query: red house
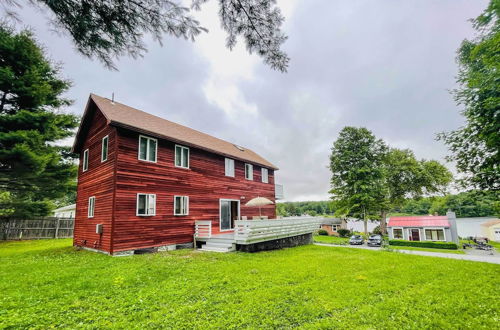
143, 181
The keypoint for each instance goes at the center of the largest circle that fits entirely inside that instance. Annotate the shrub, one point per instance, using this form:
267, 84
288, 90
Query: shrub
344, 232
322, 232
425, 244
377, 230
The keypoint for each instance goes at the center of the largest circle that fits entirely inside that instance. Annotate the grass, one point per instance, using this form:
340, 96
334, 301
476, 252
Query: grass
49, 284
331, 239
413, 248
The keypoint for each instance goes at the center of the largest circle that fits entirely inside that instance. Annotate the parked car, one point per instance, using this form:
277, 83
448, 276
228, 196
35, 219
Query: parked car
356, 240
375, 240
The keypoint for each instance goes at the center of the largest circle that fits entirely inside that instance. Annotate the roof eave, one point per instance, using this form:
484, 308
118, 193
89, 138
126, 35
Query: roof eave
136, 129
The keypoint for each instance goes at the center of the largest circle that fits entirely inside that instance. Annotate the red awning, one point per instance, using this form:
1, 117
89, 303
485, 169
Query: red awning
419, 221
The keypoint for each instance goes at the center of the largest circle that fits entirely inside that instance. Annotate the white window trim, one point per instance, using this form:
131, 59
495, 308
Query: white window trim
104, 157
85, 165
147, 149
91, 210
225, 167
402, 232
336, 228
220, 212
137, 205
175, 156
262, 170
250, 178
187, 205
434, 228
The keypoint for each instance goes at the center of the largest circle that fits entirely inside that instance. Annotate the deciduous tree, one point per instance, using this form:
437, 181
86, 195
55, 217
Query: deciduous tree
476, 146
357, 182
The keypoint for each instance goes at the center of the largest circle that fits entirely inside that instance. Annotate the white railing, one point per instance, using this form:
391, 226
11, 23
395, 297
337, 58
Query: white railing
278, 191
203, 228
253, 231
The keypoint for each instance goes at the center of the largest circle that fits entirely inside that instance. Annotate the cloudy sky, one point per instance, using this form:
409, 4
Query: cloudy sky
386, 65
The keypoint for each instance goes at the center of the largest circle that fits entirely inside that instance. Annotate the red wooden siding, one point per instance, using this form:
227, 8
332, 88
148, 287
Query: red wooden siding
96, 181
204, 182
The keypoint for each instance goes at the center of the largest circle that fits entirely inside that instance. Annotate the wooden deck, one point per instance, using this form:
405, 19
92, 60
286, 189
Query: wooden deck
255, 231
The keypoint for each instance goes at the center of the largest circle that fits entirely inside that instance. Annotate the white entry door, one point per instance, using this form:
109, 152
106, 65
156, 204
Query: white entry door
497, 235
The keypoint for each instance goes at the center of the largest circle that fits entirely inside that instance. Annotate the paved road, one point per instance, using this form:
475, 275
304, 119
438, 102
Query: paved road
480, 258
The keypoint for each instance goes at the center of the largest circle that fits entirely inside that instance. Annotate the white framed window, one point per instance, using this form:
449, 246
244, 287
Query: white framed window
265, 175
91, 207
434, 234
146, 204
181, 156
104, 149
249, 171
335, 228
181, 205
148, 148
229, 167
85, 165
397, 233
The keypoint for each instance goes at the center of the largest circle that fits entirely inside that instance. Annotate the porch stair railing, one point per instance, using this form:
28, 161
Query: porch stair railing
203, 228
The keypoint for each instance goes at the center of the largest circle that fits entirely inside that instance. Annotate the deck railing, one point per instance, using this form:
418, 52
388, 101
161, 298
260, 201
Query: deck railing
203, 228
254, 231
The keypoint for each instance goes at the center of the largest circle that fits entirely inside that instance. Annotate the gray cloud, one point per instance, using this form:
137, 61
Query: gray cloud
384, 65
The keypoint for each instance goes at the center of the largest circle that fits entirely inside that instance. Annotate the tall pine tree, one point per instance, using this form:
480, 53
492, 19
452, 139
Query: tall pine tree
33, 169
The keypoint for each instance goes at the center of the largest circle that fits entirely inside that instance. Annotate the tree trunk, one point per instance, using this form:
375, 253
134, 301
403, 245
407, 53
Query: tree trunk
365, 222
383, 224
2, 102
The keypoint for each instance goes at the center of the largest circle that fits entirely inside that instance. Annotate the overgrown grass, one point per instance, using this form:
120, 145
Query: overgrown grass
331, 239
49, 284
413, 248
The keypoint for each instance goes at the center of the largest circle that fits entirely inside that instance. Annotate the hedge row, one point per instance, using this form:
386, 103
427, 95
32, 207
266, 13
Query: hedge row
425, 244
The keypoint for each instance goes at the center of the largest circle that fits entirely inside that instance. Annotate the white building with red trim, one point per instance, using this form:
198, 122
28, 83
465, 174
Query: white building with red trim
424, 228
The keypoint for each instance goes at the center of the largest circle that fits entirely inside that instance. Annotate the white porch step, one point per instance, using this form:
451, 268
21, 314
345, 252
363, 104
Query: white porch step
218, 246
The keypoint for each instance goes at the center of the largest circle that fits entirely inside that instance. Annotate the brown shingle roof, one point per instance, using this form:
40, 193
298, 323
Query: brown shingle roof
122, 115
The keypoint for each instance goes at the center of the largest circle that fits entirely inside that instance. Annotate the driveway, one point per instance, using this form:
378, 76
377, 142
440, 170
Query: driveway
492, 259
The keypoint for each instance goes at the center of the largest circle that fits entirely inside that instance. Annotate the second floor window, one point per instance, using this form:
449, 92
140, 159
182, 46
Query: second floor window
91, 207
146, 204
229, 167
85, 165
249, 171
104, 149
265, 175
181, 205
181, 156
147, 148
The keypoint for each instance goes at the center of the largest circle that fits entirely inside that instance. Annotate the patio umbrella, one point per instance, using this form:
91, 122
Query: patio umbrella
259, 201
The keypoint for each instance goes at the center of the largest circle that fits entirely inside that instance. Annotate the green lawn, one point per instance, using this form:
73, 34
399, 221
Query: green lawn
49, 284
331, 239
414, 248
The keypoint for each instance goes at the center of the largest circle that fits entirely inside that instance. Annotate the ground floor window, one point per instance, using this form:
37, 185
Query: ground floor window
335, 228
434, 234
181, 205
397, 233
146, 204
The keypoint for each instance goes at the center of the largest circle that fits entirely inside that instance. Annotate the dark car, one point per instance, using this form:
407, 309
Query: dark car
375, 240
356, 240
